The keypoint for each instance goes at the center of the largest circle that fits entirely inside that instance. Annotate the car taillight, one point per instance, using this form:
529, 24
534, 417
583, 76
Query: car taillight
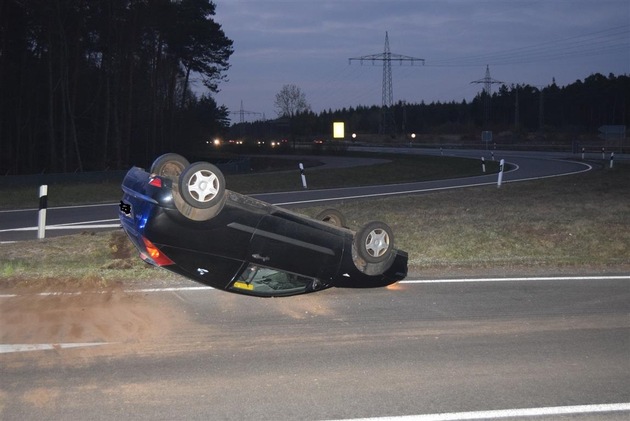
155, 254
155, 182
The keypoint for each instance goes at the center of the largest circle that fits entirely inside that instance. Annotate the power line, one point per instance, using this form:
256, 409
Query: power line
616, 39
388, 125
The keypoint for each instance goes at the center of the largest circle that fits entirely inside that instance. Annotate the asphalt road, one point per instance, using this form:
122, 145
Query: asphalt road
22, 224
468, 349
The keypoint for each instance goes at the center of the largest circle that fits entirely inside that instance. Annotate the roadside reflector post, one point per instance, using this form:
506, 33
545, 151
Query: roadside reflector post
492, 154
303, 175
483, 164
603, 153
500, 180
41, 217
612, 158
582, 154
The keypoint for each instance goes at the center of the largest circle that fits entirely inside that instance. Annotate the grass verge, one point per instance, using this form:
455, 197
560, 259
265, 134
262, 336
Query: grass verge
576, 224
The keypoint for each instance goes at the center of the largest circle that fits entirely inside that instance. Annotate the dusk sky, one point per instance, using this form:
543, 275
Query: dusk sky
308, 43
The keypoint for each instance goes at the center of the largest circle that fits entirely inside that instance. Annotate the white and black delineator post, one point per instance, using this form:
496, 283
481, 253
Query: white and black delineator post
483, 164
41, 217
303, 175
612, 158
500, 180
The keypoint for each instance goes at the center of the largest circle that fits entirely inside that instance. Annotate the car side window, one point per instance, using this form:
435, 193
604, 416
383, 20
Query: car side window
261, 280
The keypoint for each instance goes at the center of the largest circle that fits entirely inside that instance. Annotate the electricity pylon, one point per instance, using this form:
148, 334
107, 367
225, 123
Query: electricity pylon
487, 88
387, 125
242, 113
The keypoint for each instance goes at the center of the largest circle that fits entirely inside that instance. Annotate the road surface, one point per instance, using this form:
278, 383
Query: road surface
507, 348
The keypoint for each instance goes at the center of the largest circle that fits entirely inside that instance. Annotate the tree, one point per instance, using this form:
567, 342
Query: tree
291, 101
89, 85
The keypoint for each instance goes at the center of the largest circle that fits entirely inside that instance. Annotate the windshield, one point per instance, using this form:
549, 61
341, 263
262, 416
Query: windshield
261, 280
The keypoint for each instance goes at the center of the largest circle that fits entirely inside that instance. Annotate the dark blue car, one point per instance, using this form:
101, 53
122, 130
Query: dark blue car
181, 217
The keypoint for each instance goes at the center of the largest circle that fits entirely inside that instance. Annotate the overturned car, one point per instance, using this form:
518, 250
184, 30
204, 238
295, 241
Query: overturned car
181, 217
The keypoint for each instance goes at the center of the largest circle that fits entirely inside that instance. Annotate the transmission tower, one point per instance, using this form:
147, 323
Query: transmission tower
242, 113
487, 89
387, 125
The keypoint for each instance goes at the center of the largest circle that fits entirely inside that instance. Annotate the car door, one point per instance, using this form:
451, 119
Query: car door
293, 243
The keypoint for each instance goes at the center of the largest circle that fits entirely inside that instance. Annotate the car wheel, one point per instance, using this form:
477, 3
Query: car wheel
169, 165
202, 185
375, 242
333, 217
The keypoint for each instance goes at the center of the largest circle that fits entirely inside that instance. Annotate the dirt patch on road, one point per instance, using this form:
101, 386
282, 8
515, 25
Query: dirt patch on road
112, 316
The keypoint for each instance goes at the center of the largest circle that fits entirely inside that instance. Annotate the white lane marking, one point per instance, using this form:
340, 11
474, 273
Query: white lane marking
72, 226
506, 413
5, 349
434, 189
136, 291
60, 207
406, 281
517, 279
394, 193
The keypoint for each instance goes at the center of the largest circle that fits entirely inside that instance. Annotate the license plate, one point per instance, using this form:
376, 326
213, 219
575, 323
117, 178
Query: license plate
125, 208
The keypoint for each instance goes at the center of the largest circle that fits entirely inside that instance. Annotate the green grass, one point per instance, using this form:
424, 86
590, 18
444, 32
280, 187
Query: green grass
579, 222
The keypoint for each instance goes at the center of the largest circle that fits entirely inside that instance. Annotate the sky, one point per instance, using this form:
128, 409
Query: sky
309, 43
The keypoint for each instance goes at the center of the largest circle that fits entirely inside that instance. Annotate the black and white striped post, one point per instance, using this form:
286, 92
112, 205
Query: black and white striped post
303, 175
612, 158
483, 164
41, 216
500, 179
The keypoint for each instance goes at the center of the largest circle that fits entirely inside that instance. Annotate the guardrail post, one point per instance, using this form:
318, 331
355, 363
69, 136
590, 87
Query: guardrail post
41, 216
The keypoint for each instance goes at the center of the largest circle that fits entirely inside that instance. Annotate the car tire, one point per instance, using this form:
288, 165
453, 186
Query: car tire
169, 165
375, 242
202, 185
333, 217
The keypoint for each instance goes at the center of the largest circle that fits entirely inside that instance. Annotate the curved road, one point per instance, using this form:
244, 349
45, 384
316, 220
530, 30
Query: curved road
17, 225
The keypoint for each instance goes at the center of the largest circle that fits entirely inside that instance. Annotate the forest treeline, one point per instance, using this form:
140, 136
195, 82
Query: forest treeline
576, 110
104, 84
97, 84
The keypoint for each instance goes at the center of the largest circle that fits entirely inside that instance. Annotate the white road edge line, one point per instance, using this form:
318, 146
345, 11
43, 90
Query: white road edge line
70, 226
506, 413
5, 349
410, 281
517, 279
